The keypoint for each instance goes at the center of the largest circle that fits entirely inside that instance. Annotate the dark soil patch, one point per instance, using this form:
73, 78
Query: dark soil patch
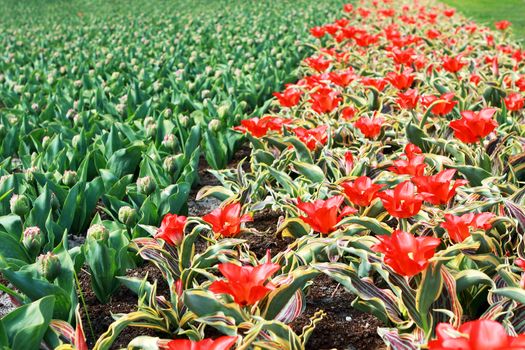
123, 301
343, 327
266, 222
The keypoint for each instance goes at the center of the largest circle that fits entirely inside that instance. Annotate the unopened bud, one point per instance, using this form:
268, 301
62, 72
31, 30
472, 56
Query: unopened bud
146, 185
32, 240
69, 178
19, 205
215, 125
98, 232
48, 266
127, 215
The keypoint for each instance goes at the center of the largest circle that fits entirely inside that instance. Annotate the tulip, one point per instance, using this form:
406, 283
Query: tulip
246, 284
369, 127
361, 191
312, 137
453, 64
378, 84
318, 63
401, 81
146, 185
19, 205
342, 78
318, 32
405, 254
324, 215
408, 99
226, 221
324, 100
221, 343
349, 113
171, 229
402, 201
440, 108
32, 240
127, 215
48, 265
98, 232
69, 178
436, 189
458, 227
289, 97
414, 164
259, 127
514, 102
475, 335
474, 126
502, 25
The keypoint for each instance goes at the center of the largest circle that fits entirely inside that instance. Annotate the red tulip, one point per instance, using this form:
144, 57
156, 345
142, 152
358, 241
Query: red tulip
514, 102
405, 254
318, 32
437, 189
475, 335
441, 108
361, 191
401, 81
433, 34
221, 343
348, 8
259, 127
458, 227
349, 162
378, 83
402, 57
289, 97
449, 12
370, 127
408, 99
474, 126
453, 64
349, 113
502, 25
312, 137
171, 229
318, 63
226, 221
246, 284
402, 201
324, 100
324, 215
342, 78
414, 164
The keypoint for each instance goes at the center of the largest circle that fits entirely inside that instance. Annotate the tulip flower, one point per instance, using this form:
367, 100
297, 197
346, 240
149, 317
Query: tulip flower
259, 127
453, 64
318, 32
458, 227
342, 78
312, 137
401, 81
221, 343
289, 97
414, 164
349, 162
514, 102
379, 83
348, 8
402, 201
440, 108
246, 284
475, 335
349, 113
324, 100
449, 12
437, 189
226, 221
318, 63
474, 126
402, 57
502, 25
171, 229
361, 191
405, 254
324, 215
369, 127
408, 99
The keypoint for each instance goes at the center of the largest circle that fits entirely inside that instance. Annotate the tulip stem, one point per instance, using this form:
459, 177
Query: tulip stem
403, 225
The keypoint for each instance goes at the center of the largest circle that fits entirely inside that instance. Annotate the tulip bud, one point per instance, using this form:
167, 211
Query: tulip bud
146, 185
55, 204
75, 141
170, 164
151, 130
69, 178
127, 215
170, 142
32, 240
184, 121
98, 232
215, 125
48, 266
19, 205
45, 141
223, 110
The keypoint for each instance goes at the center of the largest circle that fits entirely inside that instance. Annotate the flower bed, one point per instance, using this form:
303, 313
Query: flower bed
382, 193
